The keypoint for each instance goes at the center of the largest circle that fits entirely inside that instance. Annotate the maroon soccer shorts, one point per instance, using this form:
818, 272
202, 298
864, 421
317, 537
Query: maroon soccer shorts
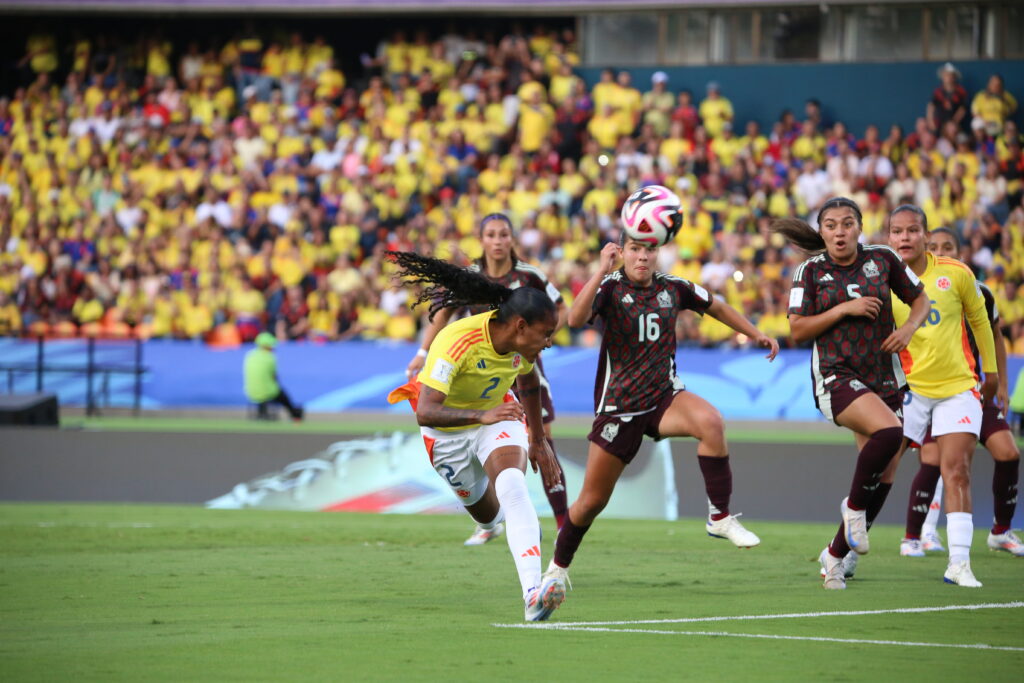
843, 391
622, 436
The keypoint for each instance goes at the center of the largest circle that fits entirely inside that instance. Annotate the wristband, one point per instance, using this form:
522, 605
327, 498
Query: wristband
422, 353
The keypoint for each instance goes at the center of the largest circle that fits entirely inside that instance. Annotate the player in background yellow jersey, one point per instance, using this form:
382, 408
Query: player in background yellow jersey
942, 376
472, 426
996, 436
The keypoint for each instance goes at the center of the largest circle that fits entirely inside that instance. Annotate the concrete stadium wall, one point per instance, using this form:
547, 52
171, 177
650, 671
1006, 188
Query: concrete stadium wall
857, 94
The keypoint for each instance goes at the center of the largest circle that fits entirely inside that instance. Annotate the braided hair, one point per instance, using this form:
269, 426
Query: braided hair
449, 286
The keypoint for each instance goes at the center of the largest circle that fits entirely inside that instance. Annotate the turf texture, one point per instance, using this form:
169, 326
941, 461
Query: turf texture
109, 593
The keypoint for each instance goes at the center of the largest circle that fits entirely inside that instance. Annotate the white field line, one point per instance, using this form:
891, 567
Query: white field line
965, 646
758, 617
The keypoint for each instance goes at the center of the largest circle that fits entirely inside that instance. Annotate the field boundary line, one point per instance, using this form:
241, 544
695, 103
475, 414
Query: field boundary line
767, 636
758, 617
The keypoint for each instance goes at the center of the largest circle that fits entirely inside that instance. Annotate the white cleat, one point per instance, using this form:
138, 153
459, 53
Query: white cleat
729, 527
1007, 541
856, 525
961, 574
482, 535
832, 571
911, 547
931, 542
849, 565
542, 601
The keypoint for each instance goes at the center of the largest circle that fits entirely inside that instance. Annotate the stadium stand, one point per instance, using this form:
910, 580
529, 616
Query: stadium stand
155, 189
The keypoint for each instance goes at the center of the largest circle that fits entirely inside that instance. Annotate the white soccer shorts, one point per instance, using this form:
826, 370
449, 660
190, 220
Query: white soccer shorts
459, 457
960, 413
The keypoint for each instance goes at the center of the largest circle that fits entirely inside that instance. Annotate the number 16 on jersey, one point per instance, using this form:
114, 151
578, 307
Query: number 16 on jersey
650, 327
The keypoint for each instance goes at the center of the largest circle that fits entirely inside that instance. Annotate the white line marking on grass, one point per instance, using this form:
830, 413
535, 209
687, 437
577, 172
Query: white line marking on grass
756, 617
965, 646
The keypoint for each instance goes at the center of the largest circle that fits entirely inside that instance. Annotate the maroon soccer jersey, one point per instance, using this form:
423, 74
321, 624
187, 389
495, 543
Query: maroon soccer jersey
637, 367
521, 275
849, 350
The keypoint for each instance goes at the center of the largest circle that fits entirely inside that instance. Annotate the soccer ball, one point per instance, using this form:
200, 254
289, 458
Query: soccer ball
652, 214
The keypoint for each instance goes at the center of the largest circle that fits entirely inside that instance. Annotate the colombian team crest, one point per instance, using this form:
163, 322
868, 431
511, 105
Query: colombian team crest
516, 360
870, 269
943, 283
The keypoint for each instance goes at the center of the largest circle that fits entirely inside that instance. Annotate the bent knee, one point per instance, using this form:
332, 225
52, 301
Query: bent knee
710, 427
890, 438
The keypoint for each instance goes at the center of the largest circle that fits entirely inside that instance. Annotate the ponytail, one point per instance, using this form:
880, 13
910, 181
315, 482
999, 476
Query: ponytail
449, 286
799, 234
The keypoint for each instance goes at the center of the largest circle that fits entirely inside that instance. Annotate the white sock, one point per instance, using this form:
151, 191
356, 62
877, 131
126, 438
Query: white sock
522, 528
931, 522
959, 532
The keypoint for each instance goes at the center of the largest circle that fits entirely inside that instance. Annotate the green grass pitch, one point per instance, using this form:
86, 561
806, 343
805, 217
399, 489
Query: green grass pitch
106, 593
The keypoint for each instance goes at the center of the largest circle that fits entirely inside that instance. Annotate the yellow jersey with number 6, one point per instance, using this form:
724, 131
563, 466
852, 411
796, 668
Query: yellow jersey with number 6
938, 362
463, 364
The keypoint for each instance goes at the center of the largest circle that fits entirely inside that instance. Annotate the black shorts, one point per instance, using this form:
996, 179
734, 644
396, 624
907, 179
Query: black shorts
622, 436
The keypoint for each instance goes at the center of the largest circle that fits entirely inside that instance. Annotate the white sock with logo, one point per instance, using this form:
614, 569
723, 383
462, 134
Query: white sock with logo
959, 532
522, 528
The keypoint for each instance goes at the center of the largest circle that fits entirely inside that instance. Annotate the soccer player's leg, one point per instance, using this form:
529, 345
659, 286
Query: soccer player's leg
956, 425
502, 449
922, 492
613, 444
882, 440
556, 495
690, 415
998, 439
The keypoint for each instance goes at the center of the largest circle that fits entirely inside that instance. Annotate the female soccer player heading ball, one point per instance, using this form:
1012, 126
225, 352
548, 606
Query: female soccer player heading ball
471, 424
637, 391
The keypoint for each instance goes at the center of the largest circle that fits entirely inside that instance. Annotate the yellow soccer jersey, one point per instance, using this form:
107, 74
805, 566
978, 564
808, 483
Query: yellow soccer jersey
463, 364
938, 362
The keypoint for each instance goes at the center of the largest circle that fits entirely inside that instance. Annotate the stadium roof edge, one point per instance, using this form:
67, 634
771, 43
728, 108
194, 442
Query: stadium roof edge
518, 7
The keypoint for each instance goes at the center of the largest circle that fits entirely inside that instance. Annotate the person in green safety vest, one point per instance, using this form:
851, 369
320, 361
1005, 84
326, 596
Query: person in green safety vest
261, 383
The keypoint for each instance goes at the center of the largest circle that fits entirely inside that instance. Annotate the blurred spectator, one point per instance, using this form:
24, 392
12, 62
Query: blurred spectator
262, 386
949, 100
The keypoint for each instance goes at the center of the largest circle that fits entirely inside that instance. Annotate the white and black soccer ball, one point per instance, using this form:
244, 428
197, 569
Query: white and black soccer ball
653, 214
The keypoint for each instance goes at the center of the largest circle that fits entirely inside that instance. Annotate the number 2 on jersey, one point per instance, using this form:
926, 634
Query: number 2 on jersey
649, 326
490, 387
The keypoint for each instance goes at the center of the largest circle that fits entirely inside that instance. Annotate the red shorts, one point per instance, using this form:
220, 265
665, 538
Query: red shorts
992, 422
622, 436
843, 391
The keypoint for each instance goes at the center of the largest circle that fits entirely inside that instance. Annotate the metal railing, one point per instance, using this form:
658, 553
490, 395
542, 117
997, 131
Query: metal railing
92, 370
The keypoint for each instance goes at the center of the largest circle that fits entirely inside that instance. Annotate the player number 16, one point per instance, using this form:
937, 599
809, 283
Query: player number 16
650, 326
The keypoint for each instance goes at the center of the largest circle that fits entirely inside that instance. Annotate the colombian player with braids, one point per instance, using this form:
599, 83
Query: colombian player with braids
637, 391
840, 300
995, 435
500, 264
472, 425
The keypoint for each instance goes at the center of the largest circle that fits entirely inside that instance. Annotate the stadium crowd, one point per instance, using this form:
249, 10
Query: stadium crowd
161, 190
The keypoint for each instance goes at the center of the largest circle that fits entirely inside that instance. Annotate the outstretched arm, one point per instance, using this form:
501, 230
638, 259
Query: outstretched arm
725, 313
